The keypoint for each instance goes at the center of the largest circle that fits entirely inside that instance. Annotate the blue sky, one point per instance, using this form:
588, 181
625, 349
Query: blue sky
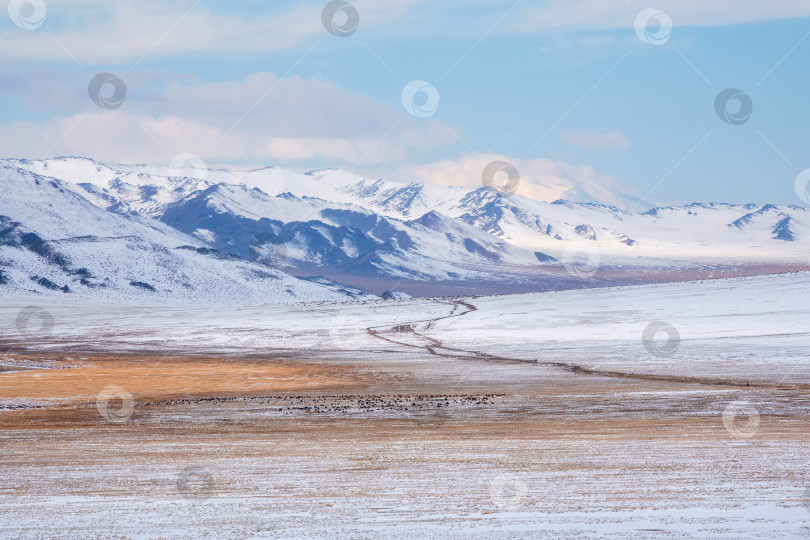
566, 90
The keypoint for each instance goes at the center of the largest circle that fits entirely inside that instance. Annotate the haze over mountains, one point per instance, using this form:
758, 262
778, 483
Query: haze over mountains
73, 225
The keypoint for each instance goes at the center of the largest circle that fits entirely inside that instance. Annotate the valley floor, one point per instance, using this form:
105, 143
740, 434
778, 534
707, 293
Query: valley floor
529, 415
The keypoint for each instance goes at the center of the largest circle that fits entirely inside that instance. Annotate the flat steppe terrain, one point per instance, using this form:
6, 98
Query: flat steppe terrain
544, 415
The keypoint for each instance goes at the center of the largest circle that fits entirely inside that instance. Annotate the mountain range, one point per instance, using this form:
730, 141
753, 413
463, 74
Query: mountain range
76, 226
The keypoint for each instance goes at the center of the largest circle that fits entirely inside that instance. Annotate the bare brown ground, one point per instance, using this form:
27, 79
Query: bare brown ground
356, 448
568, 406
78, 379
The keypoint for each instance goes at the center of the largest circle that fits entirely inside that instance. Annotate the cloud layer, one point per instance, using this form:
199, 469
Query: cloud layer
185, 64
95, 31
262, 119
540, 179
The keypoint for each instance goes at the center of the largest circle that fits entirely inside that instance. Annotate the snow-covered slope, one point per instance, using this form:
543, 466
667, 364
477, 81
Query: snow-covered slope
54, 241
358, 230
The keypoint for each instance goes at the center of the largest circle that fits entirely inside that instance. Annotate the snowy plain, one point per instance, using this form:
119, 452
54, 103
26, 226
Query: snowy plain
590, 431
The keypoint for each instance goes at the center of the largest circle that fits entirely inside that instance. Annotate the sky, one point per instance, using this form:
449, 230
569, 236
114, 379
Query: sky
667, 102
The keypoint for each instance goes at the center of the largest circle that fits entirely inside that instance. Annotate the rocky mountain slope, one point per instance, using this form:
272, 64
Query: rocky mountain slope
151, 225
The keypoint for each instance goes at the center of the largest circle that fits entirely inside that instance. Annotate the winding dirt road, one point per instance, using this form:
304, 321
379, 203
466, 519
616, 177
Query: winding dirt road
407, 336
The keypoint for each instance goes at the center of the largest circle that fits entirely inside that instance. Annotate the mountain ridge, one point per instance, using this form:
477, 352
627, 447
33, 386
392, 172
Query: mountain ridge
377, 235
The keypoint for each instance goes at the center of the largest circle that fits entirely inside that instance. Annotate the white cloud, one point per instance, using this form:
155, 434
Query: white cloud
125, 31
613, 14
594, 140
259, 120
540, 179
120, 136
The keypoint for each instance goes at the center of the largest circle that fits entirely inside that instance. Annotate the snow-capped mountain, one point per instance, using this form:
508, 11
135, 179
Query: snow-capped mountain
52, 240
369, 233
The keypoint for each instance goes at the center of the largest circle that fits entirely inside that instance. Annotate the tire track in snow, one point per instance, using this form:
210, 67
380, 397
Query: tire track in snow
406, 332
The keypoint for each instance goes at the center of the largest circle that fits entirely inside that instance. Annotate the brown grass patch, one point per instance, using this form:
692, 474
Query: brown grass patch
80, 380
